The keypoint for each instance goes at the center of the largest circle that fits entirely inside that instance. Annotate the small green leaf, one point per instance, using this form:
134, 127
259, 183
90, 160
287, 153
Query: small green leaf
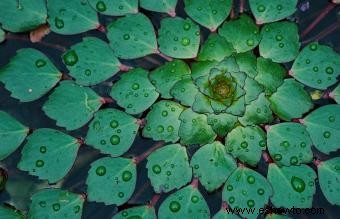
202, 104
215, 48
23, 15
165, 76
202, 68
194, 128
222, 123
224, 214
56, 202
162, 122
209, 14
246, 188
317, 66
274, 10
246, 143
293, 186
212, 165
179, 38
166, 172
111, 180
329, 177
112, 132
10, 213
184, 91
29, 75
139, 212
290, 100
253, 90
280, 41
323, 127
335, 94
12, 134
132, 36
289, 144
242, 33
134, 92
115, 8
247, 63
185, 203
71, 17
71, 105
48, 154
91, 61
167, 6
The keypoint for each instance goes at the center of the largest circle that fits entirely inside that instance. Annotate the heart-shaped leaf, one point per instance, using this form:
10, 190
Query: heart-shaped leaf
71, 105
167, 6
222, 123
112, 132
115, 8
139, 212
111, 180
184, 91
29, 75
7, 212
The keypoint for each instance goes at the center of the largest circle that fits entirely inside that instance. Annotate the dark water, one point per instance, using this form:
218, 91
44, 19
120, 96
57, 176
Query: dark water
21, 186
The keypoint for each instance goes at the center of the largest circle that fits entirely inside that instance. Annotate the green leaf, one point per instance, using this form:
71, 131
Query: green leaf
111, 180
56, 203
317, 66
209, 14
253, 90
132, 36
23, 15
115, 8
280, 41
212, 165
247, 63
179, 38
329, 177
289, 144
134, 92
246, 143
49, 154
335, 94
12, 134
194, 128
242, 33
7, 212
202, 68
71, 17
184, 91
167, 6
293, 186
139, 212
112, 132
91, 61
202, 104
224, 214
215, 48
222, 123
166, 172
71, 105
323, 127
29, 75
290, 100
246, 188
166, 76
274, 10
185, 203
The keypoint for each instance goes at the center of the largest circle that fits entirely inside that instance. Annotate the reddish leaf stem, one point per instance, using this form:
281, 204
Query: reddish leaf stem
323, 33
141, 122
172, 13
80, 141
144, 155
123, 67
105, 100
194, 183
232, 13
154, 200
241, 6
224, 205
163, 56
266, 157
317, 162
101, 28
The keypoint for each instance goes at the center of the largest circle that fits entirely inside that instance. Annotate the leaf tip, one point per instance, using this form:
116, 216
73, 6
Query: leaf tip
172, 13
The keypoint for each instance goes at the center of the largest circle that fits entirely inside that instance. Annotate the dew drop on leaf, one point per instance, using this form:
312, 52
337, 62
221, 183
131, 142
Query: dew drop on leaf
126, 176
294, 160
156, 169
121, 194
56, 206
185, 41
298, 184
251, 179
261, 8
40, 63
326, 134
260, 191
59, 23
101, 171
135, 86
70, 58
39, 163
115, 139
174, 206
194, 199
231, 199
114, 124
100, 6
251, 203
42, 149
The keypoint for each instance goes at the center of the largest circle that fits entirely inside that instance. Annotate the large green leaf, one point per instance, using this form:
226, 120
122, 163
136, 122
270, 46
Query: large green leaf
335, 94
29, 75
329, 177
167, 6
290, 100
166, 172
253, 90
111, 180
222, 123
293, 186
49, 154
134, 92
112, 132
71, 17
274, 10
56, 204
289, 144
242, 33
71, 105
246, 143
209, 14
184, 91
116, 7
12, 134
317, 66
91, 61
162, 122
7, 212
22, 15
139, 212
212, 165
280, 41
179, 38
185, 203
323, 126
246, 188
132, 36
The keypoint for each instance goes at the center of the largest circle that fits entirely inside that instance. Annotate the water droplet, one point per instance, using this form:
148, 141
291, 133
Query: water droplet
168, 173
251, 179
126, 36
329, 70
244, 144
174, 206
42, 149
114, 124
160, 129
199, 9
146, 95
76, 209
87, 72
281, 45
135, 86
251, 203
102, 142
164, 113
40, 63
126, 176
214, 11
294, 160
197, 33
39, 163
315, 68
279, 37
260, 191
277, 157
70, 58
121, 7
196, 166
331, 118
59, 23
313, 46
42, 204
250, 42
170, 128
56, 206
96, 125
261, 8
298, 184
101, 6
307, 61
319, 81
326, 134
285, 144
262, 143
120, 194
230, 188
279, 7
125, 213
185, 41
101, 171
186, 26
303, 144
115, 139
231, 199
258, 110
156, 169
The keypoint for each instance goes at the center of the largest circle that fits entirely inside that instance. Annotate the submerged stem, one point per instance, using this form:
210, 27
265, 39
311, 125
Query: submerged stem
144, 155
323, 33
